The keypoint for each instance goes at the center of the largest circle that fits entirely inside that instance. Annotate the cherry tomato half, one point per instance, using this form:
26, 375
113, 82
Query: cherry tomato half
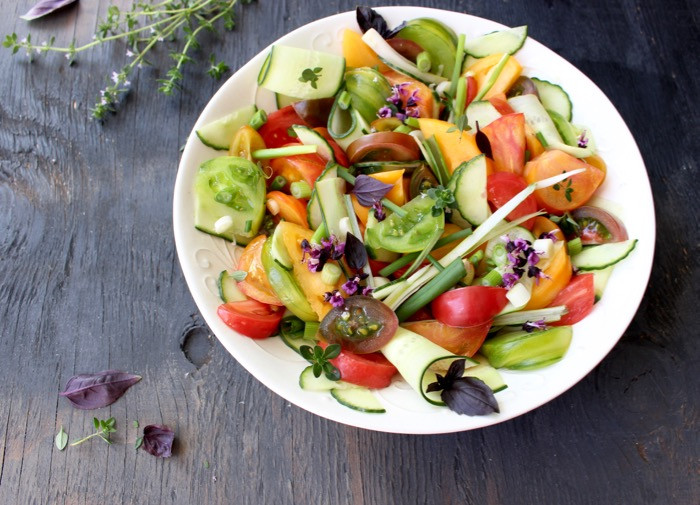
501, 187
598, 226
250, 318
275, 132
578, 296
363, 325
469, 306
369, 370
461, 341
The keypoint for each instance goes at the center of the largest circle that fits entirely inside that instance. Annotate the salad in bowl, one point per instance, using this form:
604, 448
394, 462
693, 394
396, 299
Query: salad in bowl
415, 214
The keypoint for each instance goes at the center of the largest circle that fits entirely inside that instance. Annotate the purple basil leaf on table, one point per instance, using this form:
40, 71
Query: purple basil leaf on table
369, 18
96, 390
355, 252
158, 440
45, 7
369, 190
483, 142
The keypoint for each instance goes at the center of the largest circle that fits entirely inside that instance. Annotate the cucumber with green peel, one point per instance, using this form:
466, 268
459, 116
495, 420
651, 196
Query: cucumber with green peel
302, 73
233, 187
520, 350
417, 360
437, 39
481, 111
283, 100
600, 281
313, 209
570, 135
346, 125
279, 252
566, 130
468, 184
488, 374
228, 288
394, 60
358, 398
548, 314
330, 193
598, 257
310, 137
537, 118
285, 286
295, 343
368, 91
308, 382
553, 97
372, 167
219, 133
503, 41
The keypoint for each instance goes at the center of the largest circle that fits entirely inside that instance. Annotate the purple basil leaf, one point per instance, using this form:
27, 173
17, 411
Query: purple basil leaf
470, 396
158, 440
355, 252
96, 390
369, 190
44, 7
483, 142
369, 18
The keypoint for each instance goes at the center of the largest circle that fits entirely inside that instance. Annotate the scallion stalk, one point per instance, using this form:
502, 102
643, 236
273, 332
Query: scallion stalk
310, 330
492, 77
434, 288
320, 233
403, 129
331, 273
344, 100
300, 189
278, 183
492, 278
258, 119
423, 61
574, 246
459, 58
278, 152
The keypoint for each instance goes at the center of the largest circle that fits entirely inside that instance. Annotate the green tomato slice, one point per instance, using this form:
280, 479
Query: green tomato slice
410, 233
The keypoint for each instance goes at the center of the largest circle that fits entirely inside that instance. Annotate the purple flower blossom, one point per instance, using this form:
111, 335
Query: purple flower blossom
530, 326
549, 234
582, 140
533, 258
413, 99
352, 285
385, 112
522, 259
509, 279
379, 211
402, 104
366, 291
319, 254
335, 298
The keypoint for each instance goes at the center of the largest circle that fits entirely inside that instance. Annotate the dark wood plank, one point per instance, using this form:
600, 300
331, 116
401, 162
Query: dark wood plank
89, 280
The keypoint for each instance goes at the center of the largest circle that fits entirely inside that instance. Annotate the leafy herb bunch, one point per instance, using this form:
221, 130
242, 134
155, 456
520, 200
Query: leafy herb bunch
178, 23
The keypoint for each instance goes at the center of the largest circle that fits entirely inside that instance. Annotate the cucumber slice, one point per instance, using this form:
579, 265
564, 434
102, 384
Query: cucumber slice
308, 382
537, 118
358, 398
295, 343
279, 252
313, 209
394, 60
219, 134
481, 111
503, 41
234, 187
600, 280
283, 100
417, 358
372, 167
598, 257
330, 193
302, 73
491, 377
228, 288
469, 186
346, 126
570, 134
310, 137
553, 97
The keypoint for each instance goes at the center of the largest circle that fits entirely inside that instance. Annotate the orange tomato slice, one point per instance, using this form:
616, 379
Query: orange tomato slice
255, 285
287, 207
558, 274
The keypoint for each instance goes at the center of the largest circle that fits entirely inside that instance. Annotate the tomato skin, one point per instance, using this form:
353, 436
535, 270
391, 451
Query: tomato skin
275, 131
302, 167
507, 138
255, 285
463, 341
500, 102
340, 155
368, 370
469, 306
579, 187
591, 219
250, 318
501, 187
290, 209
471, 89
578, 296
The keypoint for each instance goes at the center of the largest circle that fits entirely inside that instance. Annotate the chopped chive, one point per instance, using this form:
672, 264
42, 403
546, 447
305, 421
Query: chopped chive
432, 289
492, 77
310, 330
540, 137
320, 233
476, 257
344, 100
258, 119
457, 70
278, 183
278, 152
300, 189
493, 278
403, 129
423, 61
248, 225
460, 100
412, 122
331, 273
421, 256
574, 246
435, 263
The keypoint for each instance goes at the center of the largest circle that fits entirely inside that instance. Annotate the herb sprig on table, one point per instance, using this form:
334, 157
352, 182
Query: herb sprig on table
143, 27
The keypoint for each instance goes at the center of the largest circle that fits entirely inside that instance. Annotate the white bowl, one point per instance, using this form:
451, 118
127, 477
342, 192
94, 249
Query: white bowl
202, 256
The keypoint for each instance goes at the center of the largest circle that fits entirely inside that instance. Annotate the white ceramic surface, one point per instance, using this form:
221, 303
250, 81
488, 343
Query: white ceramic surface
202, 257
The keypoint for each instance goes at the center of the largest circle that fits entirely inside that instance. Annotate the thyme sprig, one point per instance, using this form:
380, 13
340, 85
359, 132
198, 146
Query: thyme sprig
143, 27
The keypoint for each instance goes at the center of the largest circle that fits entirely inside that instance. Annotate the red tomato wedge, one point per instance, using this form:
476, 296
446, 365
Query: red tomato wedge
461, 341
250, 318
469, 306
301, 167
578, 296
501, 187
368, 370
471, 89
507, 137
500, 102
275, 131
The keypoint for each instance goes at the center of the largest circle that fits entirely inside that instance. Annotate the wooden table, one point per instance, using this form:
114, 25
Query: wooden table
89, 280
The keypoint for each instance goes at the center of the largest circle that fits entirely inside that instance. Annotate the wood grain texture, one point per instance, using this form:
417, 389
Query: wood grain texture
89, 280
